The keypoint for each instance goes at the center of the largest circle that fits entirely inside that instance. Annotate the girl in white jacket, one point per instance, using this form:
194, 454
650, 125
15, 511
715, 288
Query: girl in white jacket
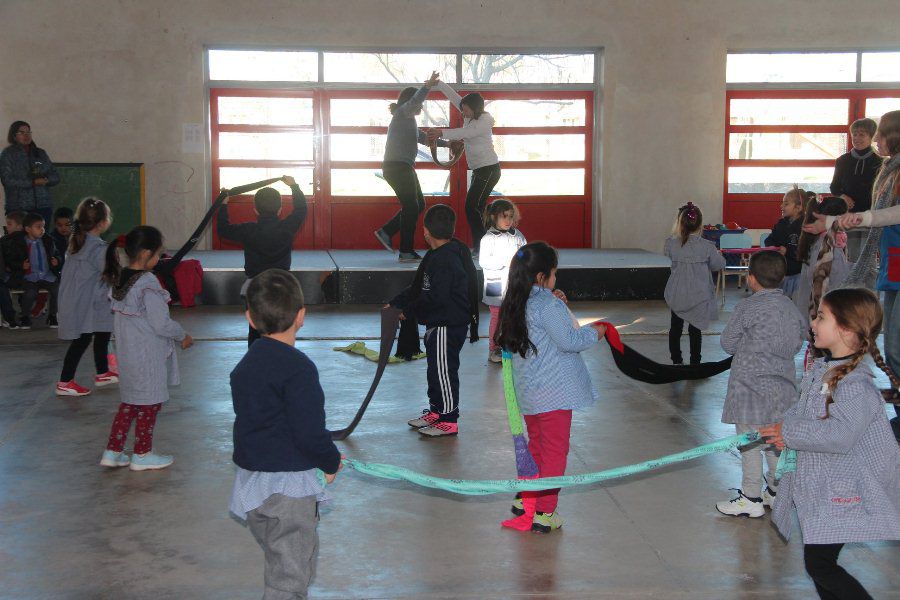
476, 133
498, 246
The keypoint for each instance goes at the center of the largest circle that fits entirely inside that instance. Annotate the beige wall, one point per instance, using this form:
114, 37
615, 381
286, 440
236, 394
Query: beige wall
107, 80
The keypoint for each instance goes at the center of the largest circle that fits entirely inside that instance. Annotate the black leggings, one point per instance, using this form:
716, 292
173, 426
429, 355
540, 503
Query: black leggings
480, 187
403, 180
831, 580
77, 348
675, 332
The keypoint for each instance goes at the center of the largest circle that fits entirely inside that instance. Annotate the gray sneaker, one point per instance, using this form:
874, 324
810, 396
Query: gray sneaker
384, 239
496, 356
409, 257
425, 420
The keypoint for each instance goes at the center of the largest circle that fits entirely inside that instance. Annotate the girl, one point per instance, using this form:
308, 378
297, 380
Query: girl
551, 377
84, 312
498, 246
399, 159
145, 339
846, 486
690, 292
786, 235
476, 133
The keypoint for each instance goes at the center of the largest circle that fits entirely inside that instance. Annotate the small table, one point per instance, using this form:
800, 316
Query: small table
743, 251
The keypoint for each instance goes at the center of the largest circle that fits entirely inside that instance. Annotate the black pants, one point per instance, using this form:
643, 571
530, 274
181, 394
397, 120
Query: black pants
831, 580
30, 293
403, 180
442, 347
77, 348
6, 304
675, 332
480, 187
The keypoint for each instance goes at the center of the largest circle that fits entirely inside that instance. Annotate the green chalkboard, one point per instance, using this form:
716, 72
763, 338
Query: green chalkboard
120, 185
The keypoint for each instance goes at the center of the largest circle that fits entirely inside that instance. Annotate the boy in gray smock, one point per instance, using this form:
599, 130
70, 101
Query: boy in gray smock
764, 334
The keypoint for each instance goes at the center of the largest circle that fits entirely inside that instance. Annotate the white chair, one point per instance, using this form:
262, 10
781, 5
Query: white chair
728, 241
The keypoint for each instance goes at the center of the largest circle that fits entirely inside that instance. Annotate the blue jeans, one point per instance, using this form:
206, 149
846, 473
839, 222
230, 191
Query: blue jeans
891, 331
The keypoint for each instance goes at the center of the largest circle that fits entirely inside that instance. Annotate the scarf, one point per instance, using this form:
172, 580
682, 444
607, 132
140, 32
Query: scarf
860, 166
866, 265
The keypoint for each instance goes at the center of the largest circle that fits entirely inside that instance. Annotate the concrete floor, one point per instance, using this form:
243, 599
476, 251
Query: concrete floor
71, 529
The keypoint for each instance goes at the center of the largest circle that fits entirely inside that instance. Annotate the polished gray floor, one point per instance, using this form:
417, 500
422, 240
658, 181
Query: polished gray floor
71, 529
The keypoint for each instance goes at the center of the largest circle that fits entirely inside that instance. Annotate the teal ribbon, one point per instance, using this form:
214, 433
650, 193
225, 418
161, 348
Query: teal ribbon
481, 487
787, 463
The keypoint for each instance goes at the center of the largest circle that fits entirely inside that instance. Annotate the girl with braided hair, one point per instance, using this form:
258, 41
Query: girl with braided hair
690, 291
846, 482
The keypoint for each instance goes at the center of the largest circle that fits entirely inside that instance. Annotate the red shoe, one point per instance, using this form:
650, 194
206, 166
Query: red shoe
107, 378
70, 388
440, 429
40, 306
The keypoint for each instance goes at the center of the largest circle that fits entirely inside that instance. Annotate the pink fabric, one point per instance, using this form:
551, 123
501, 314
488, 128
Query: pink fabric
143, 431
840, 239
189, 279
548, 442
495, 320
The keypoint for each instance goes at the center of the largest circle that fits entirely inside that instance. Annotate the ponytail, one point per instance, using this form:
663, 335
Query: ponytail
512, 329
112, 269
142, 237
90, 213
688, 222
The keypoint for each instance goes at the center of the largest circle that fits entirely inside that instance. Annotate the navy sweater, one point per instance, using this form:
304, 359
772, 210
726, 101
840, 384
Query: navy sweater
279, 411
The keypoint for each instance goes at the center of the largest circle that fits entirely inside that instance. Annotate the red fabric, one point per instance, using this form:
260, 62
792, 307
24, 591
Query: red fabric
495, 320
612, 336
189, 279
548, 442
143, 431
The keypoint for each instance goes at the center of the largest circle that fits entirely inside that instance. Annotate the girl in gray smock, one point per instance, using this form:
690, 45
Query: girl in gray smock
690, 292
84, 312
840, 269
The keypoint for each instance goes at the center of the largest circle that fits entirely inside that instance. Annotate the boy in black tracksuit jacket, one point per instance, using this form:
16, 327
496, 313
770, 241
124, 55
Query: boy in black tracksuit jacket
444, 298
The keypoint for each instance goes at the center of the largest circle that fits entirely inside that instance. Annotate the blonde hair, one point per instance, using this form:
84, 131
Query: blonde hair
688, 222
90, 213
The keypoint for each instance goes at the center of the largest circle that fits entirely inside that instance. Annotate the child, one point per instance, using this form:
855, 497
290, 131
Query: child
498, 246
764, 333
268, 241
145, 348
444, 298
786, 235
551, 377
690, 291
62, 229
477, 134
846, 486
280, 437
33, 264
84, 311
14, 221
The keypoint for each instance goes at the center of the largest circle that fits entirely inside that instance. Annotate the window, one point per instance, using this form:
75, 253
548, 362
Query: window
242, 65
880, 66
785, 67
370, 67
528, 68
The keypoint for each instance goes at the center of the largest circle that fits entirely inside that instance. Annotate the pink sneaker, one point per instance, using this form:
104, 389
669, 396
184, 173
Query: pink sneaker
425, 420
70, 388
112, 362
440, 429
107, 378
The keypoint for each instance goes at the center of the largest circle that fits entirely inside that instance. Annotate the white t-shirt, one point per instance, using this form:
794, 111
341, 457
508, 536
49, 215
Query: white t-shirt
475, 133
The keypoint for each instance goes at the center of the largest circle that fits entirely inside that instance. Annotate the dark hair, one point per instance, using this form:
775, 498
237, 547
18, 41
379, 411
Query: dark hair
529, 261
90, 212
17, 216
11, 135
475, 101
688, 221
403, 98
440, 221
866, 125
31, 218
497, 208
831, 206
274, 298
889, 130
142, 237
267, 201
63, 212
769, 268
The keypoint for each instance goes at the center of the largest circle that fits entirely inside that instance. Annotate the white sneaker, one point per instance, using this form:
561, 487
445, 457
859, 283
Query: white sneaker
768, 496
111, 458
495, 356
742, 505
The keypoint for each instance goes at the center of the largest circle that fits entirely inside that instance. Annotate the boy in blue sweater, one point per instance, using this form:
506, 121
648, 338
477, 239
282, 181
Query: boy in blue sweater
280, 437
443, 297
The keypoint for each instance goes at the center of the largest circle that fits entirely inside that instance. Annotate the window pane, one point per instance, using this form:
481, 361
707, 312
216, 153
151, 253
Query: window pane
244, 65
541, 182
528, 68
536, 113
266, 146
875, 107
370, 182
778, 180
234, 110
375, 113
790, 146
784, 111
786, 67
365, 146
540, 147
388, 68
881, 66
230, 177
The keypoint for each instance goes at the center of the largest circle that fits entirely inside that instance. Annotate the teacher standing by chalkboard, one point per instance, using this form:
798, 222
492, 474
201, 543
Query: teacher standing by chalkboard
26, 173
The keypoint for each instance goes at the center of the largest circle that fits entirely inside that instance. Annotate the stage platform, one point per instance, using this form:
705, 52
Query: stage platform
374, 276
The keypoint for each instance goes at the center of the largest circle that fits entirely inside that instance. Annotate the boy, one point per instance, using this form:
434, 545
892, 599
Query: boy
13, 224
444, 298
33, 264
280, 437
267, 241
62, 229
764, 334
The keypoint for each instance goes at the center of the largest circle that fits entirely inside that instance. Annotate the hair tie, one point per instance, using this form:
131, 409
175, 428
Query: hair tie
120, 241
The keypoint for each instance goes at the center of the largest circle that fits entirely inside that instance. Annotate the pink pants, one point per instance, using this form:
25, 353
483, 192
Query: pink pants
143, 431
548, 442
495, 318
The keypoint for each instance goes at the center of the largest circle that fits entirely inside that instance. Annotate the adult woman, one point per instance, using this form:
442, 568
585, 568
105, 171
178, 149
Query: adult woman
27, 173
403, 137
